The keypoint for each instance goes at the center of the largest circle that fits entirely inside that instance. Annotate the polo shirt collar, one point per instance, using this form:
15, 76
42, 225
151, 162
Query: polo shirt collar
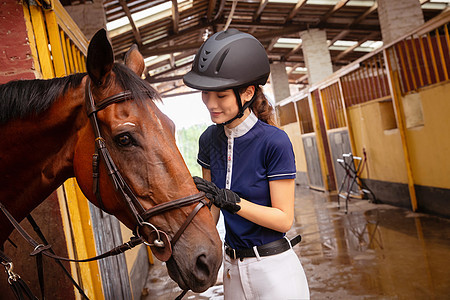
242, 128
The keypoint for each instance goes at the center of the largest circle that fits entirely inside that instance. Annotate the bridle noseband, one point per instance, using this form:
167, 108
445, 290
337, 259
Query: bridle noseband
139, 213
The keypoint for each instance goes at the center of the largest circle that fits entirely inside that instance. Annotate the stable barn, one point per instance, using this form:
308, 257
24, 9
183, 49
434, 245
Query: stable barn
389, 107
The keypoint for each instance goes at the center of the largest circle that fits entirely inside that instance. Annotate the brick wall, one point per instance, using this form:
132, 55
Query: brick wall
317, 56
16, 61
398, 18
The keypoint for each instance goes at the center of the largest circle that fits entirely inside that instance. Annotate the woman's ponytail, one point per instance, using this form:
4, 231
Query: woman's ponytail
261, 107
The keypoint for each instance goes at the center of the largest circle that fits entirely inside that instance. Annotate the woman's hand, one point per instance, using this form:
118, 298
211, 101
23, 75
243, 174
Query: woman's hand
222, 198
279, 217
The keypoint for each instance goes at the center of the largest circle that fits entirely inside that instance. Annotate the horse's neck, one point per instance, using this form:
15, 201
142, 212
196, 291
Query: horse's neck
39, 155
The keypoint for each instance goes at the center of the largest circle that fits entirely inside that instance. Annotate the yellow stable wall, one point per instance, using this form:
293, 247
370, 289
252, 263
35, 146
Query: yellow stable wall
429, 144
293, 131
385, 160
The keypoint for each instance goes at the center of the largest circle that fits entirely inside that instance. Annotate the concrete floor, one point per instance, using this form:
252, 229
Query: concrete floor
373, 252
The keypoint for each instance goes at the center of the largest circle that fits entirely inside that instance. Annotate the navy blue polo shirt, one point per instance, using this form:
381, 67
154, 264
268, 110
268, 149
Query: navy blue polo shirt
244, 159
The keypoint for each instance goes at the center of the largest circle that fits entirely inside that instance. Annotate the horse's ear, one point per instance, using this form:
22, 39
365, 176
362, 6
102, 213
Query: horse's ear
134, 60
100, 58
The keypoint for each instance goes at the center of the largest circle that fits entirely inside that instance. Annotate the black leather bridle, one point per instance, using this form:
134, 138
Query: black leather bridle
139, 213
161, 240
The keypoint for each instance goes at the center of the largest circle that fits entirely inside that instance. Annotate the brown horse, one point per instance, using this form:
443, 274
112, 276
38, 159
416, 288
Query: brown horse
47, 137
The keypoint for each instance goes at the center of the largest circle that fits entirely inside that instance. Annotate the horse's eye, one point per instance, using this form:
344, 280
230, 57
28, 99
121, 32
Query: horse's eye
124, 140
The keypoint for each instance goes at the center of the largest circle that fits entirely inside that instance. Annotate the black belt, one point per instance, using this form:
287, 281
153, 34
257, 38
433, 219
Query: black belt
275, 247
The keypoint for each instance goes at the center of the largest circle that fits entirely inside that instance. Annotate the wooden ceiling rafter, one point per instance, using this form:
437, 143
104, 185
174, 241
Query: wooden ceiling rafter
338, 6
164, 79
295, 10
293, 68
164, 62
355, 22
340, 36
350, 49
175, 16
260, 9
373, 8
134, 28
293, 51
301, 79
178, 28
271, 44
211, 7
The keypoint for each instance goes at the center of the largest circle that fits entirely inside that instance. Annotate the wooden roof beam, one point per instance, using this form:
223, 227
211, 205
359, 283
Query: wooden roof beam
171, 57
164, 79
166, 61
365, 14
337, 7
341, 34
159, 75
175, 16
209, 12
260, 9
350, 49
298, 6
137, 35
155, 49
169, 50
164, 94
275, 26
146, 49
271, 44
301, 79
293, 68
293, 51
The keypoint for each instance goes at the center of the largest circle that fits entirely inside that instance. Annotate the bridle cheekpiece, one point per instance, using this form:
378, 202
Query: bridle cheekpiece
140, 215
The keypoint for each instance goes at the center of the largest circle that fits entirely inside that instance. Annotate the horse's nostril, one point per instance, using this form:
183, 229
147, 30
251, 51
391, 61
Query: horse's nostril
202, 270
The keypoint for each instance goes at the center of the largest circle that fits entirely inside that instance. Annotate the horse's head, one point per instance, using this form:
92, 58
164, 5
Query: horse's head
132, 133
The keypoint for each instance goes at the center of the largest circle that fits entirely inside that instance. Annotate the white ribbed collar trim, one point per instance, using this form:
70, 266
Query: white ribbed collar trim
242, 128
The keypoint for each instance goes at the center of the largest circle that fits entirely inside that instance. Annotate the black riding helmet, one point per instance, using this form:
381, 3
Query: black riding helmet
229, 60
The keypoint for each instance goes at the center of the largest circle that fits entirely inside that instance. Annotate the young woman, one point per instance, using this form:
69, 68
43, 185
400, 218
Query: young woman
248, 170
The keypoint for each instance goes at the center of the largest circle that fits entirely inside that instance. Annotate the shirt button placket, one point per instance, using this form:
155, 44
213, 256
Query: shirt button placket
229, 162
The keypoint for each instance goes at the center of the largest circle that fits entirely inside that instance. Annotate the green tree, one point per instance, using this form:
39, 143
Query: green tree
187, 141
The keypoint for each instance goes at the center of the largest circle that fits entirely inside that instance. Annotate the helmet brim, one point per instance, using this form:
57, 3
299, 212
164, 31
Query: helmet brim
206, 83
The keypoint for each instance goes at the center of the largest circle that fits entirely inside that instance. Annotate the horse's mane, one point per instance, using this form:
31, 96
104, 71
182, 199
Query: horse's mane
140, 89
21, 98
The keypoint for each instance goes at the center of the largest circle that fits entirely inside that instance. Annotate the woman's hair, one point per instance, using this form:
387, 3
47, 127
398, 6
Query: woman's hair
261, 107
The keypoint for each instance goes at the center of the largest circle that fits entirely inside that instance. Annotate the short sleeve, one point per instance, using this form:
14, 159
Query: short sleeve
204, 144
280, 159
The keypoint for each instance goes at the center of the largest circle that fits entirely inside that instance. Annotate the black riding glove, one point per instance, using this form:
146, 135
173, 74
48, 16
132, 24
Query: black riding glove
222, 198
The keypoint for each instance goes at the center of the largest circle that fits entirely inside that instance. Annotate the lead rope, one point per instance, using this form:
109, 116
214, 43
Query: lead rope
40, 249
44, 240
17, 285
180, 296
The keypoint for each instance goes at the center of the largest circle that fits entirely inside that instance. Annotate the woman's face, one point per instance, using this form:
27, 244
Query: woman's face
222, 105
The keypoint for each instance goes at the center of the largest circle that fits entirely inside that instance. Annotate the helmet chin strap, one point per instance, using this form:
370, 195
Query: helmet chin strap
241, 108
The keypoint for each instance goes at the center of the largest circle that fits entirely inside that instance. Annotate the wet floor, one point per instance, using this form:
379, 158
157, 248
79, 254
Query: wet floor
374, 252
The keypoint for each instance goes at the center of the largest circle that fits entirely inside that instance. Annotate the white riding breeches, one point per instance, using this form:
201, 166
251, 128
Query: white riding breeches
279, 276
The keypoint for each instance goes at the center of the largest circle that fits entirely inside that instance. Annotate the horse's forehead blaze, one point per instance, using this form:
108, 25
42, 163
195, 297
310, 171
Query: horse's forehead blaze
127, 124
142, 119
